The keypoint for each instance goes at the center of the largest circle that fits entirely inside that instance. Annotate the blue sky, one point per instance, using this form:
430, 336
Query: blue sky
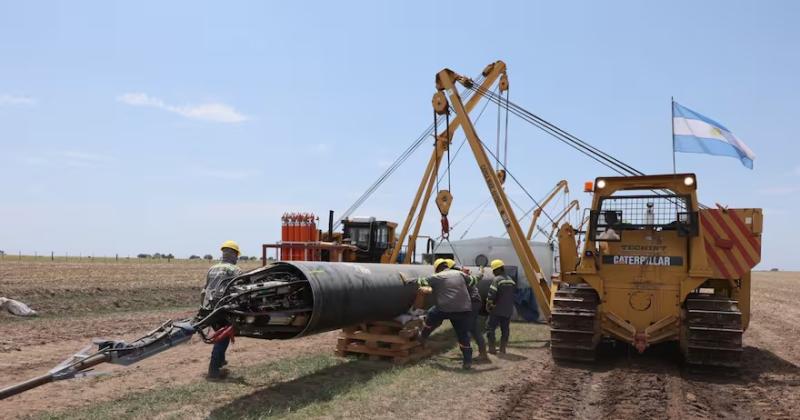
172, 126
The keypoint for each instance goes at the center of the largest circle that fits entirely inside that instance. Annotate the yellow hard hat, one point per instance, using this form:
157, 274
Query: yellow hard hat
450, 263
438, 262
232, 245
497, 264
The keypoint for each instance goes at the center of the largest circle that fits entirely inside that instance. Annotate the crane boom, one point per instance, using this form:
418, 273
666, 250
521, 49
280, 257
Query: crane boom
490, 74
538, 212
445, 81
573, 204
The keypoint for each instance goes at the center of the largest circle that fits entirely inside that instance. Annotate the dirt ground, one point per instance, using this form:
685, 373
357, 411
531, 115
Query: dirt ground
656, 385
301, 378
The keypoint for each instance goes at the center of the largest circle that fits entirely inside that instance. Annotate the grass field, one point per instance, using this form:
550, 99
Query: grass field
303, 379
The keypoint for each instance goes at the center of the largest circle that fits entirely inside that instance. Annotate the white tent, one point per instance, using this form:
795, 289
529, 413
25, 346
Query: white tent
479, 251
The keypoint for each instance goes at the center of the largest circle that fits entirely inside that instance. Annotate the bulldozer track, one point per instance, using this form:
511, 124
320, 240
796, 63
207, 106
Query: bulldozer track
574, 330
712, 331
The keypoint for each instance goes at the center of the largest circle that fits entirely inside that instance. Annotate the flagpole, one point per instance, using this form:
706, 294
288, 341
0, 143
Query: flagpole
672, 124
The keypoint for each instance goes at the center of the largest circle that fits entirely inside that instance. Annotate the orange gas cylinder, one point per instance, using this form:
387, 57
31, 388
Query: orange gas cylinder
316, 255
284, 236
295, 235
290, 236
301, 236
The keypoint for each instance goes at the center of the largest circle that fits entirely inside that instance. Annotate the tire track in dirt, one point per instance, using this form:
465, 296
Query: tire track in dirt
658, 385
655, 386
544, 390
630, 393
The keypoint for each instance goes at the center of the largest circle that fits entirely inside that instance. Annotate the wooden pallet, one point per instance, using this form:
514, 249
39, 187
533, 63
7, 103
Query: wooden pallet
383, 340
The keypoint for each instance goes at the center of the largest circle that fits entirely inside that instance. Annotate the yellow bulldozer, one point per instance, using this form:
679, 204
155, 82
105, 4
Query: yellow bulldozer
656, 266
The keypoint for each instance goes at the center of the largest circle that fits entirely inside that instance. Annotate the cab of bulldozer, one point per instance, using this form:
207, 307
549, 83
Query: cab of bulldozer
644, 221
372, 237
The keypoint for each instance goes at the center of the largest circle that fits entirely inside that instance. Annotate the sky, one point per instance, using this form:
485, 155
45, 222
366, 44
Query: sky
173, 126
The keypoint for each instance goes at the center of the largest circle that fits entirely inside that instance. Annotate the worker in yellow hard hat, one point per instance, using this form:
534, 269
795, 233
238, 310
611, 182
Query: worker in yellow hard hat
452, 301
500, 305
217, 279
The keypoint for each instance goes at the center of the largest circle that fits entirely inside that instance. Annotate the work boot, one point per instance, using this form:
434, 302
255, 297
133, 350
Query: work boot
482, 356
466, 353
492, 348
503, 344
421, 339
217, 374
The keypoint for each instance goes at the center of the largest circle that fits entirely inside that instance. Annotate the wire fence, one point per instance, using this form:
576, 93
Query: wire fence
21, 256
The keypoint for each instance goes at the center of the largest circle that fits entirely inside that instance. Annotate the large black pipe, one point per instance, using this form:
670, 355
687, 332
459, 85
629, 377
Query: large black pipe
341, 294
348, 293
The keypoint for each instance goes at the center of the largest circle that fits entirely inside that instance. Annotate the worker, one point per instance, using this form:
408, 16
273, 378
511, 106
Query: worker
452, 301
218, 277
611, 221
477, 304
500, 305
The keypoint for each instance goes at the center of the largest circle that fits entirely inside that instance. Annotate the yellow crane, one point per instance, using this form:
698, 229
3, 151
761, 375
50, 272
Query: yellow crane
446, 88
573, 205
443, 141
562, 185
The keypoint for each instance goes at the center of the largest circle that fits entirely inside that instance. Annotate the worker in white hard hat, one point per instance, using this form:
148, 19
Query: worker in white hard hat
500, 305
218, 277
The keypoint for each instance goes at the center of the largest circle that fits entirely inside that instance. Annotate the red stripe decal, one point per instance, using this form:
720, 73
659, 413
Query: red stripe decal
720, 267
728, 253
746, 231
718, 216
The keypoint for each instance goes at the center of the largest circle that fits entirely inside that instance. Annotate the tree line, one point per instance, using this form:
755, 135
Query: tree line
169, 256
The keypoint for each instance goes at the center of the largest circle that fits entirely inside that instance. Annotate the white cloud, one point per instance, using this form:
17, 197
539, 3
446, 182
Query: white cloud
215, 112
320, 148
15, 100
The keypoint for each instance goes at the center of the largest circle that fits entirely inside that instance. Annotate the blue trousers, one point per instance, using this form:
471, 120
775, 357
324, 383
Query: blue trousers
494, 322
475, 331
462, 324
218, 354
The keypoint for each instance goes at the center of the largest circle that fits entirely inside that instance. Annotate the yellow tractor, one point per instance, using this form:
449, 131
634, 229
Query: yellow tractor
656, 266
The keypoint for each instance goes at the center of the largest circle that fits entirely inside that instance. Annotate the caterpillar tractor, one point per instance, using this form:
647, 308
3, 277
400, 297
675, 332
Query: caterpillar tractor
656, 266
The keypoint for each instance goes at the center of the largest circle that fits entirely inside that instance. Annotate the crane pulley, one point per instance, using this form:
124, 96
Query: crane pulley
445, 81
419, 205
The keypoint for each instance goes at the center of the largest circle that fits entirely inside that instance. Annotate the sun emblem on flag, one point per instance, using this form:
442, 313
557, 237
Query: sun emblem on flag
716, 131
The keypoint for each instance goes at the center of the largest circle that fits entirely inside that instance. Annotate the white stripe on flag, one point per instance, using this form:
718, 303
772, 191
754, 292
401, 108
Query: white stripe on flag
691, 127
732, 139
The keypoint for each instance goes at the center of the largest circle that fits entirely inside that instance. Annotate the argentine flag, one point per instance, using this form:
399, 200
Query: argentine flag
695, 133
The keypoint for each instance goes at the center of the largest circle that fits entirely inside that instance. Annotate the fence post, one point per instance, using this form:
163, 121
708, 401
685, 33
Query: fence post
52, 256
